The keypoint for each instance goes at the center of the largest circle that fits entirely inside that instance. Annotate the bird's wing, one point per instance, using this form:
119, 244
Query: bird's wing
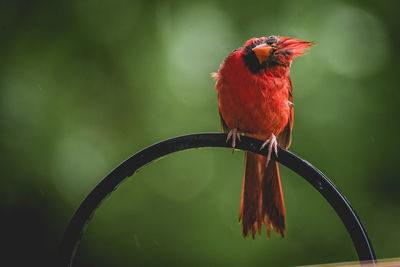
285, 137
224, 127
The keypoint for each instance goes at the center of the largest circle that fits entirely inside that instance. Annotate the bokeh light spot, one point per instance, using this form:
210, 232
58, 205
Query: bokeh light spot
195, 48
354, 42
79, 162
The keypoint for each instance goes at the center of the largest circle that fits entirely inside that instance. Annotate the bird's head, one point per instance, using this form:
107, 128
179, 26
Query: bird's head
268, 52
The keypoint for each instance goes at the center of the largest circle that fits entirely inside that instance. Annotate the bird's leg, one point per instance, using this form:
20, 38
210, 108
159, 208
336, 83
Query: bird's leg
273, 144
234, 133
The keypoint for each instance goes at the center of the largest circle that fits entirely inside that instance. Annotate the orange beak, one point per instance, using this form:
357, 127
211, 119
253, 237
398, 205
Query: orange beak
262, 52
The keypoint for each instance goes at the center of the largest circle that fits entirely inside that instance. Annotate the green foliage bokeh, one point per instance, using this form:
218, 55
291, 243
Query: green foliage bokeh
85, 84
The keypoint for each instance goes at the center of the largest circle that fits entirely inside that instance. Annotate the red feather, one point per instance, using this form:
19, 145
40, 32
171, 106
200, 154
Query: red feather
256, 99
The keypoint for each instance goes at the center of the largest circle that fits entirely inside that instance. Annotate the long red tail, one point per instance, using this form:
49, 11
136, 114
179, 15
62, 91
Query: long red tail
262, 199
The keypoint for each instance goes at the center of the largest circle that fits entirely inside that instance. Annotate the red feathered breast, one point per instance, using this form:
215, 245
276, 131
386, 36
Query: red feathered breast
256, 104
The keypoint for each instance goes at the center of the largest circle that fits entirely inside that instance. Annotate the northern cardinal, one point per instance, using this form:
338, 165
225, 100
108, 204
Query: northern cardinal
255, 99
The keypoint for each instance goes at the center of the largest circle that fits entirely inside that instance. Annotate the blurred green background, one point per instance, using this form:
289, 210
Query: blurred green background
85, 84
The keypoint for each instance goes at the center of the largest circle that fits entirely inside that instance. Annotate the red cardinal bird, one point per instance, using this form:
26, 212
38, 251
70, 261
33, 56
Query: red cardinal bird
255, 99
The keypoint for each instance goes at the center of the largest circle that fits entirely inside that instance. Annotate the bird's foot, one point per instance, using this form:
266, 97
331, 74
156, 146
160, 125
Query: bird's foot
273, 145
234, 133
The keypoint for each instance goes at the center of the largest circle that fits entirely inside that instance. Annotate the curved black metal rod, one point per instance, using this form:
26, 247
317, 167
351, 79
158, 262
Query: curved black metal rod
315, 177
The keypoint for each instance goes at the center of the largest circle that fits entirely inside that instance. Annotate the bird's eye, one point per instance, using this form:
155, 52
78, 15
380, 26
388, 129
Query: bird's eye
272, 40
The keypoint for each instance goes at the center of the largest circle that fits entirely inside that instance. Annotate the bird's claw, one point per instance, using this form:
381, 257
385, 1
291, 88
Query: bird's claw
234, 133
273, 144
